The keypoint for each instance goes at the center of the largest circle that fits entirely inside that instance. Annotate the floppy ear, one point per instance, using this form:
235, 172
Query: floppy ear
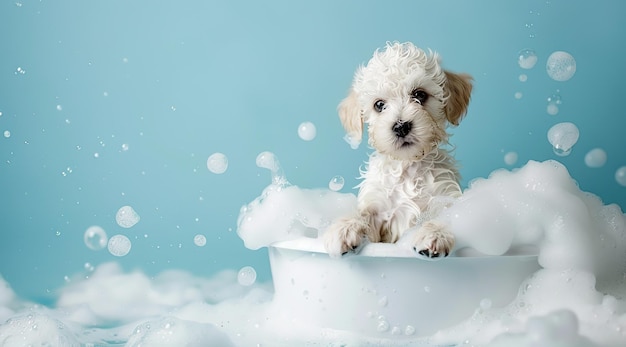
350, 116
459, 88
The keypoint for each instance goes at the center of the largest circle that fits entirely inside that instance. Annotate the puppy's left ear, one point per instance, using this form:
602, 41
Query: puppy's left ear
459, 89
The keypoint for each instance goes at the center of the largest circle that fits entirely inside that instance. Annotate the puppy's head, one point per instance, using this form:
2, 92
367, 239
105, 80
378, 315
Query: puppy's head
406, 99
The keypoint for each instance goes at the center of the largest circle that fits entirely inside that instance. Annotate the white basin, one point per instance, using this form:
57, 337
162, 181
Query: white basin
386, 291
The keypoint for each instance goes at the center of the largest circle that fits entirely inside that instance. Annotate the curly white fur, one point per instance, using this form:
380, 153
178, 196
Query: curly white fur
407, 100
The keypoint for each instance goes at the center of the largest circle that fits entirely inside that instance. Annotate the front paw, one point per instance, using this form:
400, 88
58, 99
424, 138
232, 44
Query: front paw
433, 240
344, 236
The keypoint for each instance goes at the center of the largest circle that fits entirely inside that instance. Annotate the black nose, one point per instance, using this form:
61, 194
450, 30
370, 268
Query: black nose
402, 129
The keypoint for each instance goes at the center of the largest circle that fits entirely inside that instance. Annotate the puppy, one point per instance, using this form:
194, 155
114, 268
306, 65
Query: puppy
408, 101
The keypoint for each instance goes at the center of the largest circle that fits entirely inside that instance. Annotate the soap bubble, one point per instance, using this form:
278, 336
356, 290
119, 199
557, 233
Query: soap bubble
523, 78
620, 176
217, 163
199, 240
246, 276
119, 245
95, 238
561, 66
527, 58
307, 131
336, 183
126, 217
510, 158
7, 134
563, 137
353, 139
595, 158
554, 101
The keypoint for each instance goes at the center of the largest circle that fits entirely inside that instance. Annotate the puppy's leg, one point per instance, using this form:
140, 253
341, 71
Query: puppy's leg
345, 235
433, 240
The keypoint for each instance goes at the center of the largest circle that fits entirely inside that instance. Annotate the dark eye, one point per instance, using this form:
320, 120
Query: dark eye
379, 105
420, 96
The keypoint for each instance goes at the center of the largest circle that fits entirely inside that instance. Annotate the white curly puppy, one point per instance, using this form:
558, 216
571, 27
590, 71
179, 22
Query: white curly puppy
408, 101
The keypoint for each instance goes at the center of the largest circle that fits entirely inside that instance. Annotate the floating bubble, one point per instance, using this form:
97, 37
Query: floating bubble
353, 139
267, 160
95, 238
336, 183
518, 95
620, 176
125, 147
561, 66
563, 137
217, 163
119, 245
523, 78
307, 131
527, 58
126, 217
199, 240
246, 276
7, 134
554, 101
595, 158
510, 158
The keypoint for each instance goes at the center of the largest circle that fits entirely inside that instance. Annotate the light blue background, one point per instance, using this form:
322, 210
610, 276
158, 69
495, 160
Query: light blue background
179, 80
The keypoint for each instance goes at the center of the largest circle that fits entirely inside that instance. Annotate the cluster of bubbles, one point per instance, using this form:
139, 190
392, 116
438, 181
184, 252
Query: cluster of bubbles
562, 137
307, 131
217, 163
126, 217
246, 276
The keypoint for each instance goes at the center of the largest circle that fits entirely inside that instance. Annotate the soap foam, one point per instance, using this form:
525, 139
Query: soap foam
577, 299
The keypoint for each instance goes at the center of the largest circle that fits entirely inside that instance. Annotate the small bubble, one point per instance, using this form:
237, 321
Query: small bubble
199, 240
126, 217
96, 155
409, 330
7, 134
523, 78
510, 158
88, 267
217, 163
427, 289
125, 147
518, 95
620, 176
57, 233
563, 137
382, 302
554, 101
485, 304
246, 276
59, 108
307, 131
119, 245
383, 326
95, 238
595, 158
527, 58
561, 66
336, 183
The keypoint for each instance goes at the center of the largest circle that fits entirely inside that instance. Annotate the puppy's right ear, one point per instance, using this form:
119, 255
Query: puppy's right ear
350, 116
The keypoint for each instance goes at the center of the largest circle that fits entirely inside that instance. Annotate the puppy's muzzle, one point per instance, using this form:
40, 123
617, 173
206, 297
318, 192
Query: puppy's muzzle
402, 129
